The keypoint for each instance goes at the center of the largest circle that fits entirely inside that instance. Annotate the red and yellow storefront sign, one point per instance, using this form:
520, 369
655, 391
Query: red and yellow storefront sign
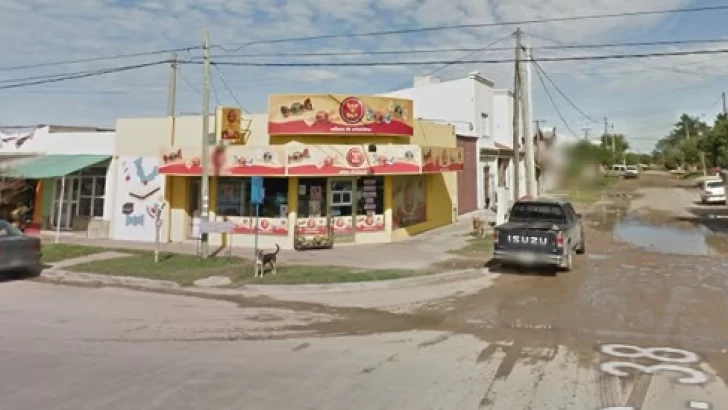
440, 159
265, 226
353, 160
295, 160
306, 114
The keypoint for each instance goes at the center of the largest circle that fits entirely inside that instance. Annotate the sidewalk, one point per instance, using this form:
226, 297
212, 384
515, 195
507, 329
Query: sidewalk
418, 252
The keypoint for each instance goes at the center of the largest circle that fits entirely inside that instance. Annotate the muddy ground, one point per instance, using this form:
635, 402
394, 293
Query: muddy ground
653, 281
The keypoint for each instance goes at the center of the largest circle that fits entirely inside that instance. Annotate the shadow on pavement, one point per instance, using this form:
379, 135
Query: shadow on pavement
12, 276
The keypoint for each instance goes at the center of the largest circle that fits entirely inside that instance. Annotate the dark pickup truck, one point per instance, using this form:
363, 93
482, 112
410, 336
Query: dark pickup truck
540, 232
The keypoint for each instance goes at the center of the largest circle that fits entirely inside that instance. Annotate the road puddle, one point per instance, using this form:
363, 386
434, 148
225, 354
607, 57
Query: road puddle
665, 239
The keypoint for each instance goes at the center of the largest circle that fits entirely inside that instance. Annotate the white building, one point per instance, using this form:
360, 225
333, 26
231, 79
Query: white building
483, 120
46, 155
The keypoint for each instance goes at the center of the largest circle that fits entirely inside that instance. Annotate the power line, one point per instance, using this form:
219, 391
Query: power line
475, 49
239, 46
556, 87
85, 74
189, 84
478, 50
95, 59
229, 90
453, 62
553, 104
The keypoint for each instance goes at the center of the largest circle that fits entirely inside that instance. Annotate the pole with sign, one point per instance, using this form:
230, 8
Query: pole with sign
257, 193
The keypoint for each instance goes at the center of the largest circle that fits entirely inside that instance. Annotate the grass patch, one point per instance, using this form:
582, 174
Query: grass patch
590, 191
477, 247
186, 269
56, 252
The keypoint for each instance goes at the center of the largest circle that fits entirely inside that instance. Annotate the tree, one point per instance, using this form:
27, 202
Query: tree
682, 147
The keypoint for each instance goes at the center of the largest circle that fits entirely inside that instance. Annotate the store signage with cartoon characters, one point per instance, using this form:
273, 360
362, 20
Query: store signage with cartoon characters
141, 199
339, 115
440, 159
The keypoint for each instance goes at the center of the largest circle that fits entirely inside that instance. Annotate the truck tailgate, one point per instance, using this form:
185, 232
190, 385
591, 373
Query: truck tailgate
527, 236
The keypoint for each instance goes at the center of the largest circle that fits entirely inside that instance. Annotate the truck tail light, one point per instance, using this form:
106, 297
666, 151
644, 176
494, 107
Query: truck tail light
560, 239
495, 235
35, 246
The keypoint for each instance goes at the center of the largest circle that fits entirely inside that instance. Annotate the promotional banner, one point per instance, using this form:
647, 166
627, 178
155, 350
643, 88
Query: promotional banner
254, 161
339, 115
353, 160
227, 123
439, 159
409, 201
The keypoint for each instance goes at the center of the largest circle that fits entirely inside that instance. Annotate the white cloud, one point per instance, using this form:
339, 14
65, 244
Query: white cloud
39, 31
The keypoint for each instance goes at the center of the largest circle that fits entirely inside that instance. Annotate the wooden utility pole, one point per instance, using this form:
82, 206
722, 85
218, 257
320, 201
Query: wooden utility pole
526, 99
516, 116
204, 155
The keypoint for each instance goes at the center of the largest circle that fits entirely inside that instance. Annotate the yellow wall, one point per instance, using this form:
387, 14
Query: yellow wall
442, 189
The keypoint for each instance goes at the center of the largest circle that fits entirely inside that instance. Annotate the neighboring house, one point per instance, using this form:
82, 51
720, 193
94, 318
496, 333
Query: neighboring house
55, 159
482, 117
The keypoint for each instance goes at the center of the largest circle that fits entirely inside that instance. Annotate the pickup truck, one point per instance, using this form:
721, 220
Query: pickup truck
540, 232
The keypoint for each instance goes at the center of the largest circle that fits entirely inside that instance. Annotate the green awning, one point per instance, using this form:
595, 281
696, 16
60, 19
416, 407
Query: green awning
51, 166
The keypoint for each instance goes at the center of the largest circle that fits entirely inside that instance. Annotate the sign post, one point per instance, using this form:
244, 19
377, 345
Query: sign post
257, 194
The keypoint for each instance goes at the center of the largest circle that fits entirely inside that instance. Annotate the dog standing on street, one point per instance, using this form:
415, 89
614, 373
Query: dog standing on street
262, 259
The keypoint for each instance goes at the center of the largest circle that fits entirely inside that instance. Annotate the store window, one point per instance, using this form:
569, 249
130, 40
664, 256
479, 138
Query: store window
312, 195
370, 196
233, 198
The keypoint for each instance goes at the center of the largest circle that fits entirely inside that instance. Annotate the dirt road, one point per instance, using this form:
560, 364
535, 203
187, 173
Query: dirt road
637, 325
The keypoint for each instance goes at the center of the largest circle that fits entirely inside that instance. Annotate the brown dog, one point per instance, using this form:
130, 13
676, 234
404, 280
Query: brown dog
478, 227
262, 259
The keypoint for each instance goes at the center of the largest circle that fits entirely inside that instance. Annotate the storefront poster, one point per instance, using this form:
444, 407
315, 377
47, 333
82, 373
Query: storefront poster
180, 161
339, 115
409, 200
369, 223
138, 199
272, 226
313, 160
440, 159
343, 224
254, 161
311, 226
241, 225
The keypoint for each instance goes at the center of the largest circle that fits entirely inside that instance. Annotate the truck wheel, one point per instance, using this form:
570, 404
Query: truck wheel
568, 262
582, 246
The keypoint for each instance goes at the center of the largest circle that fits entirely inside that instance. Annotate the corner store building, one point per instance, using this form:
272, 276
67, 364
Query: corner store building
378, 178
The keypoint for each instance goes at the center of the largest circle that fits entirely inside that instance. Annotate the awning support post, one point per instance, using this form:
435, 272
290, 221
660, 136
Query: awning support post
59, 211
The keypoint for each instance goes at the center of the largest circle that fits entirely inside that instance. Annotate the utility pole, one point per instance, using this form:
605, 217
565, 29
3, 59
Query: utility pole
725, 108
205, 154
586, 133
614, 139
516, 116
172, 96
527, 100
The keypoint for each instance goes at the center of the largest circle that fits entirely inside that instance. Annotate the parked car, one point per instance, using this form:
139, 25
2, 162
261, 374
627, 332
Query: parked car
540, 232
617, 170
18, 253
712, 191
631, 171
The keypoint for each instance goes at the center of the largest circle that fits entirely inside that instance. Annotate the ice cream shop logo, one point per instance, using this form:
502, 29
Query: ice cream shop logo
352, 110
355, 157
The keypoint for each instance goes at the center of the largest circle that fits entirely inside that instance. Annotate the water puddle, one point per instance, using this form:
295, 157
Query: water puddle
665, 239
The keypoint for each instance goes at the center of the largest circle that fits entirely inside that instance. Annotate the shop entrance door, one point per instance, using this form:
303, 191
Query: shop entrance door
341, 201
69, 205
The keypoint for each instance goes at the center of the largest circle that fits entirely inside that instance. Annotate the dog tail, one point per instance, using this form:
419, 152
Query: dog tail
278, 249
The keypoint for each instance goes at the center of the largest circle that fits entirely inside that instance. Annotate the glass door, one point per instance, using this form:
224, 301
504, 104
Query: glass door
341, 200
69, 205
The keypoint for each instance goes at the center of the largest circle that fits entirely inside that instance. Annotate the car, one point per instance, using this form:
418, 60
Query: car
540, 232
631, 171
19, 254
712, 191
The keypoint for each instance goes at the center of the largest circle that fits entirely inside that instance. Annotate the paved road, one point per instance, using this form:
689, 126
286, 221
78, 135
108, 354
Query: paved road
626, 329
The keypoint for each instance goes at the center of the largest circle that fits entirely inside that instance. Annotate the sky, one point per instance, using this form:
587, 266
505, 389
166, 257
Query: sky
641, 97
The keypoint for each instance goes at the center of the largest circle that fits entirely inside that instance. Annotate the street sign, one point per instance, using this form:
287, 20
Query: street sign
257, 191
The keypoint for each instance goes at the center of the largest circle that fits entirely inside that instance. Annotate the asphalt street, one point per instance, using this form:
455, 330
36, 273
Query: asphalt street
629, 328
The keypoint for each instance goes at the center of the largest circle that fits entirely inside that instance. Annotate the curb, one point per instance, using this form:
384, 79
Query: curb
61, 276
